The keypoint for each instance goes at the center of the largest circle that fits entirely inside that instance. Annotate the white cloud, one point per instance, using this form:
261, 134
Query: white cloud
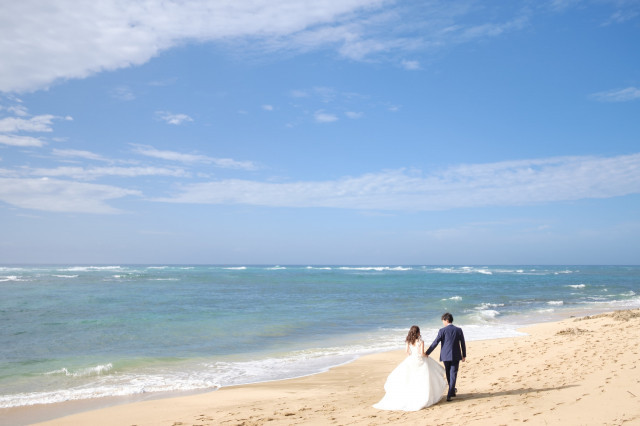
486, 30
75, 153
624, 10
621, 16
61, 196
354, 115
96, 172
323, 117
228, 163
84, 38
24, 141
19, 110
411, 65
39, 123
618, 95
175, 119
511, 183
123, 93
326, 94
267, 107
10, 126
561, 5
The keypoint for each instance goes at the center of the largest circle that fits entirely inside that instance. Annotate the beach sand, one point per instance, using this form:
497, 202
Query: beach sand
579, 371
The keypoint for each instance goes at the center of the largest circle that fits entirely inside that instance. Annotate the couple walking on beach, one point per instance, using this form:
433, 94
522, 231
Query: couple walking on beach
418, 381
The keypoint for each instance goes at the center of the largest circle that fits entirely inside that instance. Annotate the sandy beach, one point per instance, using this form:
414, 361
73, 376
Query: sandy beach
576, 371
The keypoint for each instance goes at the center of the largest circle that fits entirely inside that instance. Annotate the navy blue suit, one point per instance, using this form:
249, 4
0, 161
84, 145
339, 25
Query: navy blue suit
452, 350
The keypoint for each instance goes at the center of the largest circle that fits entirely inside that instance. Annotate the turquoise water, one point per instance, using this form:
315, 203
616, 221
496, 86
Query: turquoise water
77, 332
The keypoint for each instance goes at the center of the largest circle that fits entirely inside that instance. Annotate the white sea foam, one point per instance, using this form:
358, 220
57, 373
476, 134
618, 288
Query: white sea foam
484, 306
482, 316
606, 303
462, 270
483, 270
102, 381
454, 298
555, 302
89, 268
325, 268
276, 268
236, 268
124, 386
10, 278
576, 285
65, 276
83, 372
375, 268
443, 270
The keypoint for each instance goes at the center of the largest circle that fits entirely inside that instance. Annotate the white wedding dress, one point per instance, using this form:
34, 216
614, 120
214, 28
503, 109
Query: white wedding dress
416, 383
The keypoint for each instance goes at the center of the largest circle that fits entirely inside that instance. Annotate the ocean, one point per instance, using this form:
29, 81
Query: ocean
83, 332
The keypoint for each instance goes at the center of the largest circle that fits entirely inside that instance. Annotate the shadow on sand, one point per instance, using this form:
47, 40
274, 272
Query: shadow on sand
481, 395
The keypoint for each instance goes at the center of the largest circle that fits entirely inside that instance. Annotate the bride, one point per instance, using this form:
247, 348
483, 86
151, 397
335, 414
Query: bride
417, 382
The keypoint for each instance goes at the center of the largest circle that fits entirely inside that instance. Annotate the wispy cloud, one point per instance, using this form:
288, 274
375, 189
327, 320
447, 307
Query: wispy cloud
123, 93
39, 123
617, 95
23, 141
512, 183
180, 157
621, 16
267, 107
90, 173
410, 65
488, 30
623, 10
171, 118
12, 128
55, 195
75, 153
354, 115
324, 117
19, 110
123, 34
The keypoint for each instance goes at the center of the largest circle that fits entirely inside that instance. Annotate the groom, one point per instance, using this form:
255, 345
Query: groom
452, 351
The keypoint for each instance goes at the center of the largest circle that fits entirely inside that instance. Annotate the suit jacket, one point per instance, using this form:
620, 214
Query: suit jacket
452, 340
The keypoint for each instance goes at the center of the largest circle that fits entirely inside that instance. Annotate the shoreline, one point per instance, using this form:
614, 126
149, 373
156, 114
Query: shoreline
559, 371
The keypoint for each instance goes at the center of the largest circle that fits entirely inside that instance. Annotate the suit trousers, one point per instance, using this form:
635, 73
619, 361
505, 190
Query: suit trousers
451, 369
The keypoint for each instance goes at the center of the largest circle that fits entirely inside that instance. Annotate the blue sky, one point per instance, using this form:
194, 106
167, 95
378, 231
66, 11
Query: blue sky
337, 132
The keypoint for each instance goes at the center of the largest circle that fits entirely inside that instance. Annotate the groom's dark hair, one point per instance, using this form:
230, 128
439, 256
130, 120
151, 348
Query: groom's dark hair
447, 317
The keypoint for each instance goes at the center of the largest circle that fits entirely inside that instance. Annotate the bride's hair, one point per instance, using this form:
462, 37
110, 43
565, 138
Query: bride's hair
414, 334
